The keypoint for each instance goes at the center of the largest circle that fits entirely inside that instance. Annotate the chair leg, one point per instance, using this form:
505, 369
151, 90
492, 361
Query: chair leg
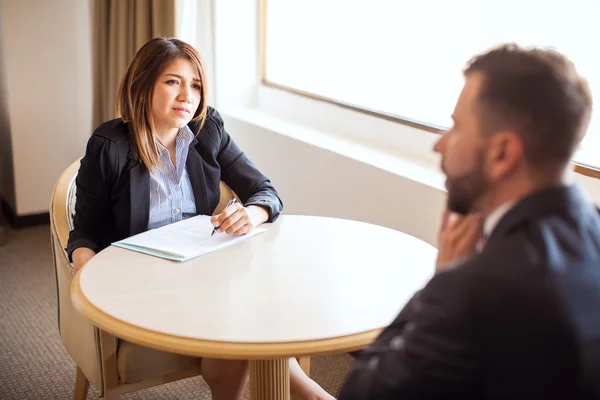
111, 395
81, 386
108, 349
304, 364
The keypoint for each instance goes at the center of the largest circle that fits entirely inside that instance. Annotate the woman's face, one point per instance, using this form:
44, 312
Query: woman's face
176, 97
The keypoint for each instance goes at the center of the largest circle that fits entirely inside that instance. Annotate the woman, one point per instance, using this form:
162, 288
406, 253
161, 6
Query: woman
162, 162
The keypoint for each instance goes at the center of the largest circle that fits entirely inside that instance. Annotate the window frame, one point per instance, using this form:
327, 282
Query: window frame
580, 168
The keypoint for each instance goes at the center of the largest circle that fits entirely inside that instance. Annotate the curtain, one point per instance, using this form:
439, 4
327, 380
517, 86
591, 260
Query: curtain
120, 28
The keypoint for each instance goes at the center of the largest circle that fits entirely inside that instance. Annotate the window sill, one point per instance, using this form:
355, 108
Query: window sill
387, 158
280, 96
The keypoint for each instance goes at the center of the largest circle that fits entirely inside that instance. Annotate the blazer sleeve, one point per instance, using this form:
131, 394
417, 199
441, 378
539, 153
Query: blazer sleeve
241, 175
427, 352
92, 204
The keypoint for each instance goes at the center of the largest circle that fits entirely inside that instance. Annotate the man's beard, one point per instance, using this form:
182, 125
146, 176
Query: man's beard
465, 192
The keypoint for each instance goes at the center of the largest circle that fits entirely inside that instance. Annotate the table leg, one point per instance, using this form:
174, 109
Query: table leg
270, 379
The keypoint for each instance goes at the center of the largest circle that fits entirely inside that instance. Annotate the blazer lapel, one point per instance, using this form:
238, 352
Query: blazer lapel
556, 200
139, 196
195, 169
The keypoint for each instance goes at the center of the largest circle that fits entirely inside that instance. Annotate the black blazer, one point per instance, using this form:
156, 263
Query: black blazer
520, 320
113, 184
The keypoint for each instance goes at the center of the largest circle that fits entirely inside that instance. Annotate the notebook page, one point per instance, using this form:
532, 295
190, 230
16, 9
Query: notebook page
184, 239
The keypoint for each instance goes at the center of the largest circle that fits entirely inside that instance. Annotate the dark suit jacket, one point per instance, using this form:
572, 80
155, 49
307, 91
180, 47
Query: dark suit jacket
113, 184
520, 320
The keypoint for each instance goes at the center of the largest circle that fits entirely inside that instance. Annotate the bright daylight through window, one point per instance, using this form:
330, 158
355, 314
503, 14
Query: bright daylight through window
405, 58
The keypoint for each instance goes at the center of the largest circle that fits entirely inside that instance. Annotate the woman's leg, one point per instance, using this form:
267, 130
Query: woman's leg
225, 378
304, 388
228, 378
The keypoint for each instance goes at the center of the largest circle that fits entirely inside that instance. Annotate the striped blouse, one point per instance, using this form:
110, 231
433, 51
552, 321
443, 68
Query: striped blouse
171, 194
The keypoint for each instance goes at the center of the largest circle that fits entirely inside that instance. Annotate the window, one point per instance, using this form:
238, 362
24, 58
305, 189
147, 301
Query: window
185, 18
405, 59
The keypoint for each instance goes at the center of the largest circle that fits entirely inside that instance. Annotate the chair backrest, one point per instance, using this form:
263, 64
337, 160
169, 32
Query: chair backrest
62, 205
79, 336
226, 195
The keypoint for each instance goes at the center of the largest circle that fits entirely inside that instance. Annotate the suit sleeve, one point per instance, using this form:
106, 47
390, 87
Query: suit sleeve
242, 176
92, 204
426, 353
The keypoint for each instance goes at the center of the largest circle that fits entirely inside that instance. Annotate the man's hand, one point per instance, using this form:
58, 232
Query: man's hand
239, 220
458, 237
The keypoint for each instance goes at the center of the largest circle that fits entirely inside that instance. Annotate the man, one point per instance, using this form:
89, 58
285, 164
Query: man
519, 316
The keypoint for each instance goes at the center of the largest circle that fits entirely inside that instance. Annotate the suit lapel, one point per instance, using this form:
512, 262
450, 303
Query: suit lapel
139, 188
139, 195
556, 200
195, 169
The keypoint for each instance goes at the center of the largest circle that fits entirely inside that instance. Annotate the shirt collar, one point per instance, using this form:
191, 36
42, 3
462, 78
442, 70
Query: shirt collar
495, 216
186, 135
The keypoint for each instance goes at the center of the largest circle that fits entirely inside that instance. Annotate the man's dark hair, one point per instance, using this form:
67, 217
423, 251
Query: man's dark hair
538, 94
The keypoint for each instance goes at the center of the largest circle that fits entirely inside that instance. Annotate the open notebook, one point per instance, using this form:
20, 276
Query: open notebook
183, 240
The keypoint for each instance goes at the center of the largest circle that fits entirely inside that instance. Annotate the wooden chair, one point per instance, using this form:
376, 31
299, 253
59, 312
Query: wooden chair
113, 366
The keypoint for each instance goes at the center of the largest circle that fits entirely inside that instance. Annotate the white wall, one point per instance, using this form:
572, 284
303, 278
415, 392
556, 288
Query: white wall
194, 25
317, 181
47, 70
235, 51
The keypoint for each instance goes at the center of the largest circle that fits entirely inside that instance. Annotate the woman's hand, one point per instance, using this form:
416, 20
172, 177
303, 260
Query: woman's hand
80, 256
239, 220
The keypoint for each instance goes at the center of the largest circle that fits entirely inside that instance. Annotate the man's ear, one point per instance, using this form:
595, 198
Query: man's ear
505, 151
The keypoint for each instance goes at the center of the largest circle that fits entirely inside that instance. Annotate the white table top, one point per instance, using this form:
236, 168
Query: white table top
306, 278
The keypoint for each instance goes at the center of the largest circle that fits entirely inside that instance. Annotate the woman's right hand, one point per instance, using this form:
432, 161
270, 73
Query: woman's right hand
80, 256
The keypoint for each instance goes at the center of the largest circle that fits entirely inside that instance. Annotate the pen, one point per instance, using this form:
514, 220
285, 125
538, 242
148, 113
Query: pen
230, 202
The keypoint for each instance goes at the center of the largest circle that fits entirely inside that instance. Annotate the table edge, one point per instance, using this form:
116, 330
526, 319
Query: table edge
210, 348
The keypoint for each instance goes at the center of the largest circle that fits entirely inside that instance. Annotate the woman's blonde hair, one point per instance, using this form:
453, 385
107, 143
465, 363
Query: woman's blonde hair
134, 98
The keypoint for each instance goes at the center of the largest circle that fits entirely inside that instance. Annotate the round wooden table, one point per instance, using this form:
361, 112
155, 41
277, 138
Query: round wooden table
307, 286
